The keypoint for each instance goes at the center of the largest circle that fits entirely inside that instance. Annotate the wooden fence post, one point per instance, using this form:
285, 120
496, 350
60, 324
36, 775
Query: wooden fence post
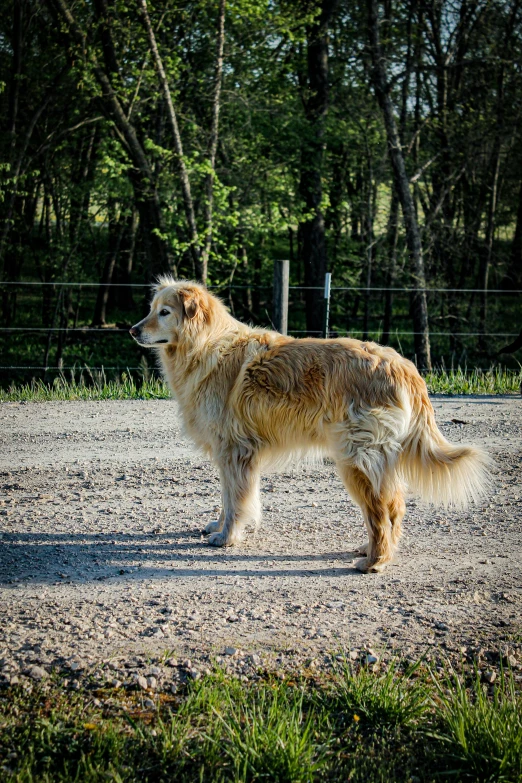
280, 301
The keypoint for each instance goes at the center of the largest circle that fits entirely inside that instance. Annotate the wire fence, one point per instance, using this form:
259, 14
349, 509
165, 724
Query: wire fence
228, 287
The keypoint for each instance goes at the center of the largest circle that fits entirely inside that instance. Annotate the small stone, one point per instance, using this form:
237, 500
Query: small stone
142, 683
510, 660
116, 683
76, 666
489, 677
195, 674
230, 651
371, 659
441, 626
354, 655
255, 660
187, 664
152, 683
155, 671
36, 672
232, 618
172, 662
148, 704
158, 634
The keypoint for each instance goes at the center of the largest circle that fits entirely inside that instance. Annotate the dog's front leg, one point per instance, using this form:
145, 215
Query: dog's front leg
217, 525
240, 492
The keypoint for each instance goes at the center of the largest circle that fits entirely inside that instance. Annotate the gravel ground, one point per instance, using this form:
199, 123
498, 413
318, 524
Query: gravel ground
102, 559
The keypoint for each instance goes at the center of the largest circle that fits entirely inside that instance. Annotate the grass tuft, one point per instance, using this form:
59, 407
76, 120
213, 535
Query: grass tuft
386, 698
268, 735
482, 734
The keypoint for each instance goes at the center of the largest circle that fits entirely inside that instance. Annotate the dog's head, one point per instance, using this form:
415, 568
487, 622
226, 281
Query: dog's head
179, 309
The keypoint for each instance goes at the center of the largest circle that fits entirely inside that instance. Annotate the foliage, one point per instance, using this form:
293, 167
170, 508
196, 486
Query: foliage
88, 197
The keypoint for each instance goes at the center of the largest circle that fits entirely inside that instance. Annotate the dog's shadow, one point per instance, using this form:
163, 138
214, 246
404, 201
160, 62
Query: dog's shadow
84, 557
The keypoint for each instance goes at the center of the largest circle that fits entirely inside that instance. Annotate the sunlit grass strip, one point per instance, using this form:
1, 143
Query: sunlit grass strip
95, 386
358, 725
497, 380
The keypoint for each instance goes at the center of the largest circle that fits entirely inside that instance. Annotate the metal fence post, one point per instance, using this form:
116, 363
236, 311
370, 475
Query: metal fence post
280, 302
327, 284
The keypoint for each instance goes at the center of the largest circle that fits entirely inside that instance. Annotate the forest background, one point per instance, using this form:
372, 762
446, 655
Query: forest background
378, 141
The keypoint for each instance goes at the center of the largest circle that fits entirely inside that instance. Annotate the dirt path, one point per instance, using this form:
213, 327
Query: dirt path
101, 554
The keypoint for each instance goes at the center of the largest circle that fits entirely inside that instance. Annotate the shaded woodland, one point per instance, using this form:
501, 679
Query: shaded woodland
378, 141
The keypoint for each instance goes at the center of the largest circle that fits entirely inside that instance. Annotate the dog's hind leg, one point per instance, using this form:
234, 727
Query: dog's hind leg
375, 510
397, 510
240, 491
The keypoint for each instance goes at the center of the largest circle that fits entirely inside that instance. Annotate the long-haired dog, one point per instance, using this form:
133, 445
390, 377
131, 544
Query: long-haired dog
250, 396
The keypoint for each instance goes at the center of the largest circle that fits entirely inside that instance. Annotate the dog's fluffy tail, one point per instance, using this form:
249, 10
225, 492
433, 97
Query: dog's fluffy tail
440, 472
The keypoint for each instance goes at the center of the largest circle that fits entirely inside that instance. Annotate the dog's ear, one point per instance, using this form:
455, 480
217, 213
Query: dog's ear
191, 302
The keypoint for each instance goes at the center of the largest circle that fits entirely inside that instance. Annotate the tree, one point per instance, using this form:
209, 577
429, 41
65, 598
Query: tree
402, 187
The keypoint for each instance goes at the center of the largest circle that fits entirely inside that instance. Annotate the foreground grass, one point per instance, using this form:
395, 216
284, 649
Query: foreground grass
387, 726
95, 386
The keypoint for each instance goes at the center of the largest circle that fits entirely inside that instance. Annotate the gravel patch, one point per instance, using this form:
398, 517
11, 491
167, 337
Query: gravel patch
103, 563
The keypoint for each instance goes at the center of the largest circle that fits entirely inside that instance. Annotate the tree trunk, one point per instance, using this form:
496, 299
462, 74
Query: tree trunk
393, 236
124, 298
514, 274
209, 183
116, 229
402, 186
142, 176
492, 209
178, 146
312, 230
369, 242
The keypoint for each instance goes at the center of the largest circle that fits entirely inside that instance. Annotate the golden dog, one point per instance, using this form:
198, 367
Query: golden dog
250, 396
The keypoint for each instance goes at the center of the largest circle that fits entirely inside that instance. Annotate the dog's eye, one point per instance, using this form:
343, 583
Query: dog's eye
164, 312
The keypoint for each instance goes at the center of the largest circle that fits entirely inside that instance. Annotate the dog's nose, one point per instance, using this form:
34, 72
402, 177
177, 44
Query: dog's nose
133, 331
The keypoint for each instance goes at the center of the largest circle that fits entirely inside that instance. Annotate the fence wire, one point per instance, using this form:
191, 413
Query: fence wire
229, 287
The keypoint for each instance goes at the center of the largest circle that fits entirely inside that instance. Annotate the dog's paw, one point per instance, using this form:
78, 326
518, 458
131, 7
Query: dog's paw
219, 539
367, 567
213, 527
363, 550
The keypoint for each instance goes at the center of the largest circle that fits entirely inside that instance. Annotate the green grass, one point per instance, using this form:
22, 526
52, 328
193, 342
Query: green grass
497, 380
91, 386
383, 699
481, 734
358, 726
95, 386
